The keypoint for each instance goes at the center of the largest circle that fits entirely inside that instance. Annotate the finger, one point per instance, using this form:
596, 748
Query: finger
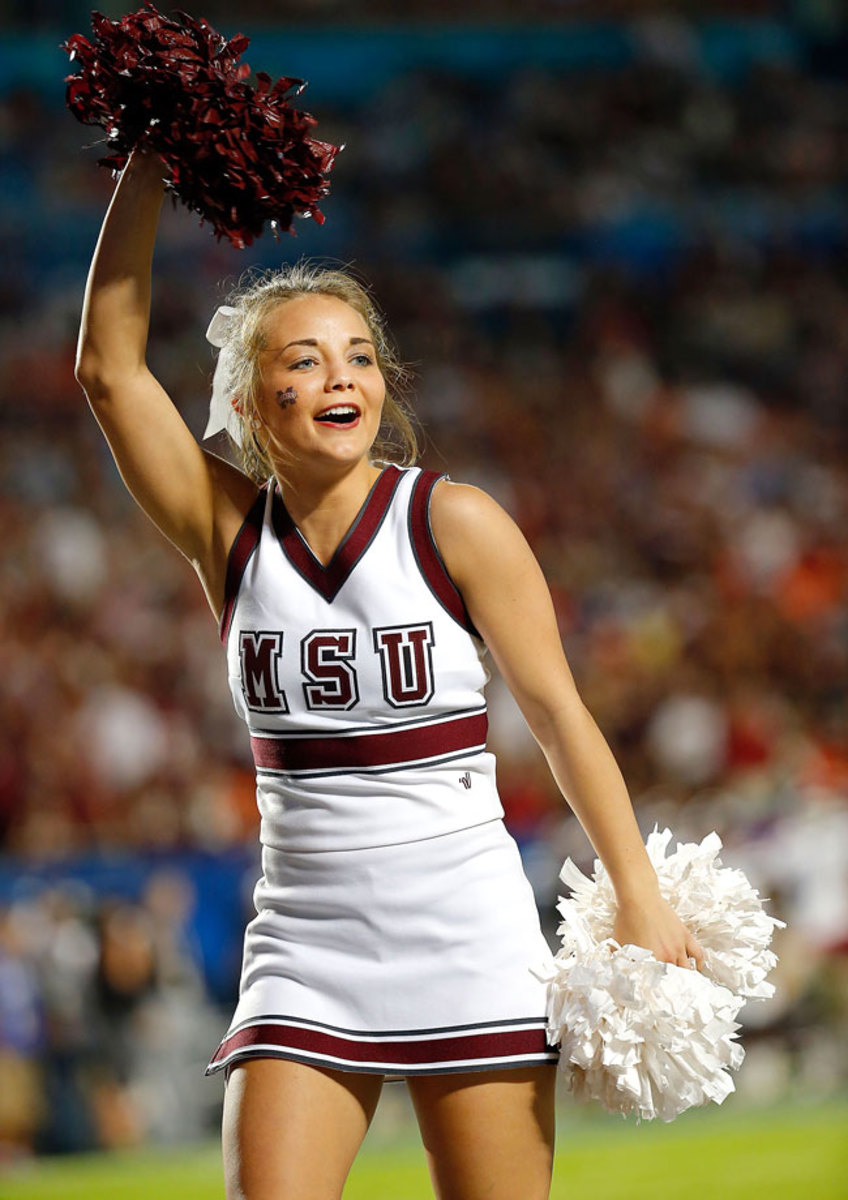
696, 954
682, 956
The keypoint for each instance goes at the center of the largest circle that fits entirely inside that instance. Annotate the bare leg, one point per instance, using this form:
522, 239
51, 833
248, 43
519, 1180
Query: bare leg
292, 1131
488, 1134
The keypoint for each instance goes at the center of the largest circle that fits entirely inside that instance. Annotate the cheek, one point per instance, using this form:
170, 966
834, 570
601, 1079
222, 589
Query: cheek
286, 397
380, 398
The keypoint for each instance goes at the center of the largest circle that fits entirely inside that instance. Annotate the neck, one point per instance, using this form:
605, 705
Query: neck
323, 507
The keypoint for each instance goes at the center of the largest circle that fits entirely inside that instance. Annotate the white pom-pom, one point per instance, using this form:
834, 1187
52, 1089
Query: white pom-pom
646, 1037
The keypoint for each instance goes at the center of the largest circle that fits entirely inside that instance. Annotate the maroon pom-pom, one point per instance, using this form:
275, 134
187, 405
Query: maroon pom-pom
236, 154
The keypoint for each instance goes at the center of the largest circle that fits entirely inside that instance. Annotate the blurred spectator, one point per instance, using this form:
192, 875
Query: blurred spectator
105, 1021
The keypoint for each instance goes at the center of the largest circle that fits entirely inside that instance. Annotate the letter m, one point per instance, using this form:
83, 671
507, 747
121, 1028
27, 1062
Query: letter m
261, 655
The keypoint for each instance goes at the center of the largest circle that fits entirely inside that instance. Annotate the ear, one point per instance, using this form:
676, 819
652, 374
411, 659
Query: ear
253, 420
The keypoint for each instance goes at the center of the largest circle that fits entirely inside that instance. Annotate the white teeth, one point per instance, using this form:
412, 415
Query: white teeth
343, 410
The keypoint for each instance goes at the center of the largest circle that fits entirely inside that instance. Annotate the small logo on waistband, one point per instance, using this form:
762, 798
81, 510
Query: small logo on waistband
465, 780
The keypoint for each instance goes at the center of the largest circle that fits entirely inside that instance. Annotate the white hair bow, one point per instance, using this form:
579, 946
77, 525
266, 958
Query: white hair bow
222, 415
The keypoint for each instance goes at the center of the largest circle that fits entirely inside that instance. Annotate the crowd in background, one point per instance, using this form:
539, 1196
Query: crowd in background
623, 287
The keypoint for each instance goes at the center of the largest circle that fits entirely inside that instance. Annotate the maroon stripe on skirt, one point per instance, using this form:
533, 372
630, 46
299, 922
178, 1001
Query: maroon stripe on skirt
485, 1045
370, 750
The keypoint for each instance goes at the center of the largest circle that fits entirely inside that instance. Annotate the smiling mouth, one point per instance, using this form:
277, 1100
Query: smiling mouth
339, 414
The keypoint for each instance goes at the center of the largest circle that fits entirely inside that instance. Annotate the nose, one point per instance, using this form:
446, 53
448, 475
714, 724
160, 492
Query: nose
338, 380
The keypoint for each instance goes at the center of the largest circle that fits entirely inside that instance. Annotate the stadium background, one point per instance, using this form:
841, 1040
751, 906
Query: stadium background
611, 239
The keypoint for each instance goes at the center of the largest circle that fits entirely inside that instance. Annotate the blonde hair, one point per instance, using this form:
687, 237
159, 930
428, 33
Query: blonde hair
257, 295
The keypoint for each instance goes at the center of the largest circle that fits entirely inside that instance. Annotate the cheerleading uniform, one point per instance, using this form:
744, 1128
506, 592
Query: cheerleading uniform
395, 931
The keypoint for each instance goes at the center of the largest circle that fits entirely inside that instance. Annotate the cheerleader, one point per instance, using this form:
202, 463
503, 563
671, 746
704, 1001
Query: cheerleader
359, 598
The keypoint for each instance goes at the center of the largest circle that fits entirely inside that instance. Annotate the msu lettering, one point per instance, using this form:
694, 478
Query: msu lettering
328, 667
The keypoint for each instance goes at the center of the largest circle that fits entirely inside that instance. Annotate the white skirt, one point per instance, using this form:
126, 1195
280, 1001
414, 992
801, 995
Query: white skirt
412, 959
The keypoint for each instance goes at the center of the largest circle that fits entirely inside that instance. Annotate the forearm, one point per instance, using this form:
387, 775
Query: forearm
588, 776
509, 602
116, 308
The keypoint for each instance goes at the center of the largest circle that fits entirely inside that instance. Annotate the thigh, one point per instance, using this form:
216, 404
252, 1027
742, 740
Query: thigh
488, 1134
293, 1130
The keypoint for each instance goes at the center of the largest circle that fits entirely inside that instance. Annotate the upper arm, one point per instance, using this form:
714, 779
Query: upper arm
507, 598
195, 499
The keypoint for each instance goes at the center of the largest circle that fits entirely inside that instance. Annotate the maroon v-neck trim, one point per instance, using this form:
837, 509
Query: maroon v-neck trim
328, 580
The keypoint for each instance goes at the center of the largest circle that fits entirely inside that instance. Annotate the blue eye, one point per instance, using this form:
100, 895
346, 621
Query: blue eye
302, 362
363, 359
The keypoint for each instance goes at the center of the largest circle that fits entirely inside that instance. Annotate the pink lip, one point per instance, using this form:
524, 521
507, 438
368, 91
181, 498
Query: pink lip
339, 424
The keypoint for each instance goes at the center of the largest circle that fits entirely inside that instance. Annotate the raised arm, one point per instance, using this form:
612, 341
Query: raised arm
509, 602
196, 500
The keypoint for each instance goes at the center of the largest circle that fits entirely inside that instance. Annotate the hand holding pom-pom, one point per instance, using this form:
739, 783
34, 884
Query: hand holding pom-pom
647, 1037
237, 155
717, 905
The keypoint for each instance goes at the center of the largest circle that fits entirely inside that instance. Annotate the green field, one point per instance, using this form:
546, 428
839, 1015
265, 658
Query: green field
729, 1154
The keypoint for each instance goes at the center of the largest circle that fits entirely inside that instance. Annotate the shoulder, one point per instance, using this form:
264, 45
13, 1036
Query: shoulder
472, 531
229, 479
461, 510
234, 493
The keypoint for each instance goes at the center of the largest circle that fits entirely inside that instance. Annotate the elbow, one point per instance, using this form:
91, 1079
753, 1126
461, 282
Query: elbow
102, 368
87, 371
94, 377
553, 723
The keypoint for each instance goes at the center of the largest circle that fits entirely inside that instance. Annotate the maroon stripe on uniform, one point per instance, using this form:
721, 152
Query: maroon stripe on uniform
427, 555
327, 580
486, 1045
370, 750
247, 539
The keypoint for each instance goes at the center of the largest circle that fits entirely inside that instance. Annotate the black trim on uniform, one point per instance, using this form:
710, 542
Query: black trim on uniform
430, 562
245, 542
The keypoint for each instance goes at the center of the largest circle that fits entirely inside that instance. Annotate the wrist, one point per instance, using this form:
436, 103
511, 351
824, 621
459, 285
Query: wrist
146, 165
637, 890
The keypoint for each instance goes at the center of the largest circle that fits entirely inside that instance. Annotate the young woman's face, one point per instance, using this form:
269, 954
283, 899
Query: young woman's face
322, 391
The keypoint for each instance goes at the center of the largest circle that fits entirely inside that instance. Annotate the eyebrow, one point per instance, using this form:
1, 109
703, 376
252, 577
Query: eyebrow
354, 341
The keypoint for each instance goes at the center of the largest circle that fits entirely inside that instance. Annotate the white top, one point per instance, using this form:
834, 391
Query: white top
361, 681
